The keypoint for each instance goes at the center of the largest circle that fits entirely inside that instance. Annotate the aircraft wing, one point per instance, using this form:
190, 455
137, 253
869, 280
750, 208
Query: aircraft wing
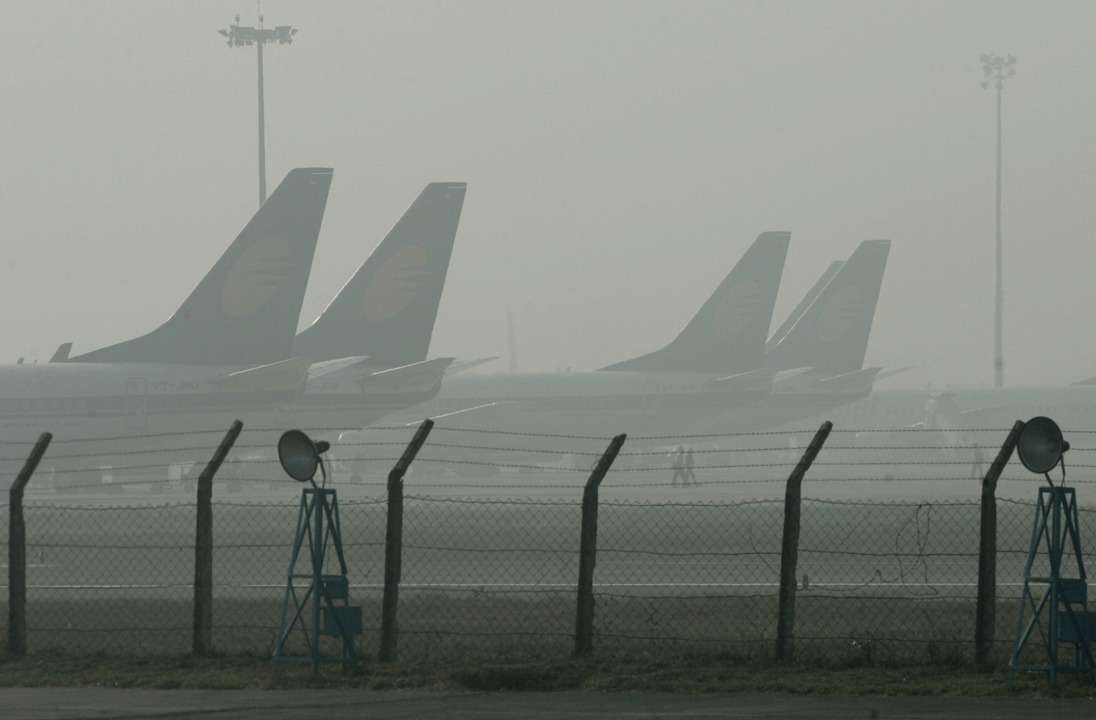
288, 374
329, 367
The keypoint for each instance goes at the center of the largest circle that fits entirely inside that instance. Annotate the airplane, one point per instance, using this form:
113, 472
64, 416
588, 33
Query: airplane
232, 334
387, 309
245, 311
714, 363
223, 353
718, 374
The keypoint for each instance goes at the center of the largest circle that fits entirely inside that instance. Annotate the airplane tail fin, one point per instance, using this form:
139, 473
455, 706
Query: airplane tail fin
245, 310
61, 354
832, 333
727, 334
388, 308
805, 303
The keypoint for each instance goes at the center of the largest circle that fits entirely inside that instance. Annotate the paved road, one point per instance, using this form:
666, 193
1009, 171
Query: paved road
68, 703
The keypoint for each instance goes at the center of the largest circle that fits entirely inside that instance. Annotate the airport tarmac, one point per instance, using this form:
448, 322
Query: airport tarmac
131, 704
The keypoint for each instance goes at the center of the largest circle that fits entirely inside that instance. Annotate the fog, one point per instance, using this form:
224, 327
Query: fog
620, 156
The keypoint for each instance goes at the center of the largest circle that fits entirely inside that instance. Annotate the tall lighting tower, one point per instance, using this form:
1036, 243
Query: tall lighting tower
244, 36
996, 70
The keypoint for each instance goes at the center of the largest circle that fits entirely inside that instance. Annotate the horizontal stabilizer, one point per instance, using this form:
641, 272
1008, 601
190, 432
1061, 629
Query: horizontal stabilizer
463, 365
983, 413
413, 377
288, 374
891, 372
855, 381
330, 367
61, 354
794, 380
810, 381
760, 379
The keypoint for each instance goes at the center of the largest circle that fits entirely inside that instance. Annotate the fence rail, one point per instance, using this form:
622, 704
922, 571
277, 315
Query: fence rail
480, 542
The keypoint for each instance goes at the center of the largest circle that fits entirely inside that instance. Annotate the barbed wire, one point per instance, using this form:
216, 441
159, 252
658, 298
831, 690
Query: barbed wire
859, 431
135, 436
519, 433
500, 571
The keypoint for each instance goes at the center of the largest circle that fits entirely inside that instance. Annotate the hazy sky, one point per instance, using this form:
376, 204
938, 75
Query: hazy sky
620, 157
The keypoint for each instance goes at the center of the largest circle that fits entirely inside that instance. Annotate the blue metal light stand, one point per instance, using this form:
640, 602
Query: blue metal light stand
1063, 607
318, 526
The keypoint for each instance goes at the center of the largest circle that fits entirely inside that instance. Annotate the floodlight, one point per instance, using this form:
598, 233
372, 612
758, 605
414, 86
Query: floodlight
1041, 445
1056, 599
317, 527
238, 35
300, 457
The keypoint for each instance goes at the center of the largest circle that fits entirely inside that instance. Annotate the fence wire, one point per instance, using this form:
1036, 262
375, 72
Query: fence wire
688, 553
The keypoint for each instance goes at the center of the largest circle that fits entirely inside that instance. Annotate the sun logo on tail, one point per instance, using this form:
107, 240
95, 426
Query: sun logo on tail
256, 275
839, 315
734, 312
396, 283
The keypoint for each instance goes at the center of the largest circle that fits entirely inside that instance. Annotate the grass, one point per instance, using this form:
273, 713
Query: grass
868, 639
438, 628
686, 674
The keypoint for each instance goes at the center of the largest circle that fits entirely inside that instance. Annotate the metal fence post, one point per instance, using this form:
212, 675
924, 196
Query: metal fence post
789, 548
202, 632
17, 551
985, 614
587, 557
393, 546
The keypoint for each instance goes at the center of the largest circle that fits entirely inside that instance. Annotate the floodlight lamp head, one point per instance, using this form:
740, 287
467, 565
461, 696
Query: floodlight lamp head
299, 456
1041, 445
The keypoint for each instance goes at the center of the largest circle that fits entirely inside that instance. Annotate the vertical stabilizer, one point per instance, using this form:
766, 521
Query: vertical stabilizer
246, 309
832, 335
727, 335
805, 303
61, 354
388, 308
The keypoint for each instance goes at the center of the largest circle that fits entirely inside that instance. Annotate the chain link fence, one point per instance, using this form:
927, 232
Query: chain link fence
688, 554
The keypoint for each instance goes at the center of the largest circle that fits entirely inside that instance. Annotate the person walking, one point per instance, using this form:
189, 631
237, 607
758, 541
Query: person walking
689, 475
677, 462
